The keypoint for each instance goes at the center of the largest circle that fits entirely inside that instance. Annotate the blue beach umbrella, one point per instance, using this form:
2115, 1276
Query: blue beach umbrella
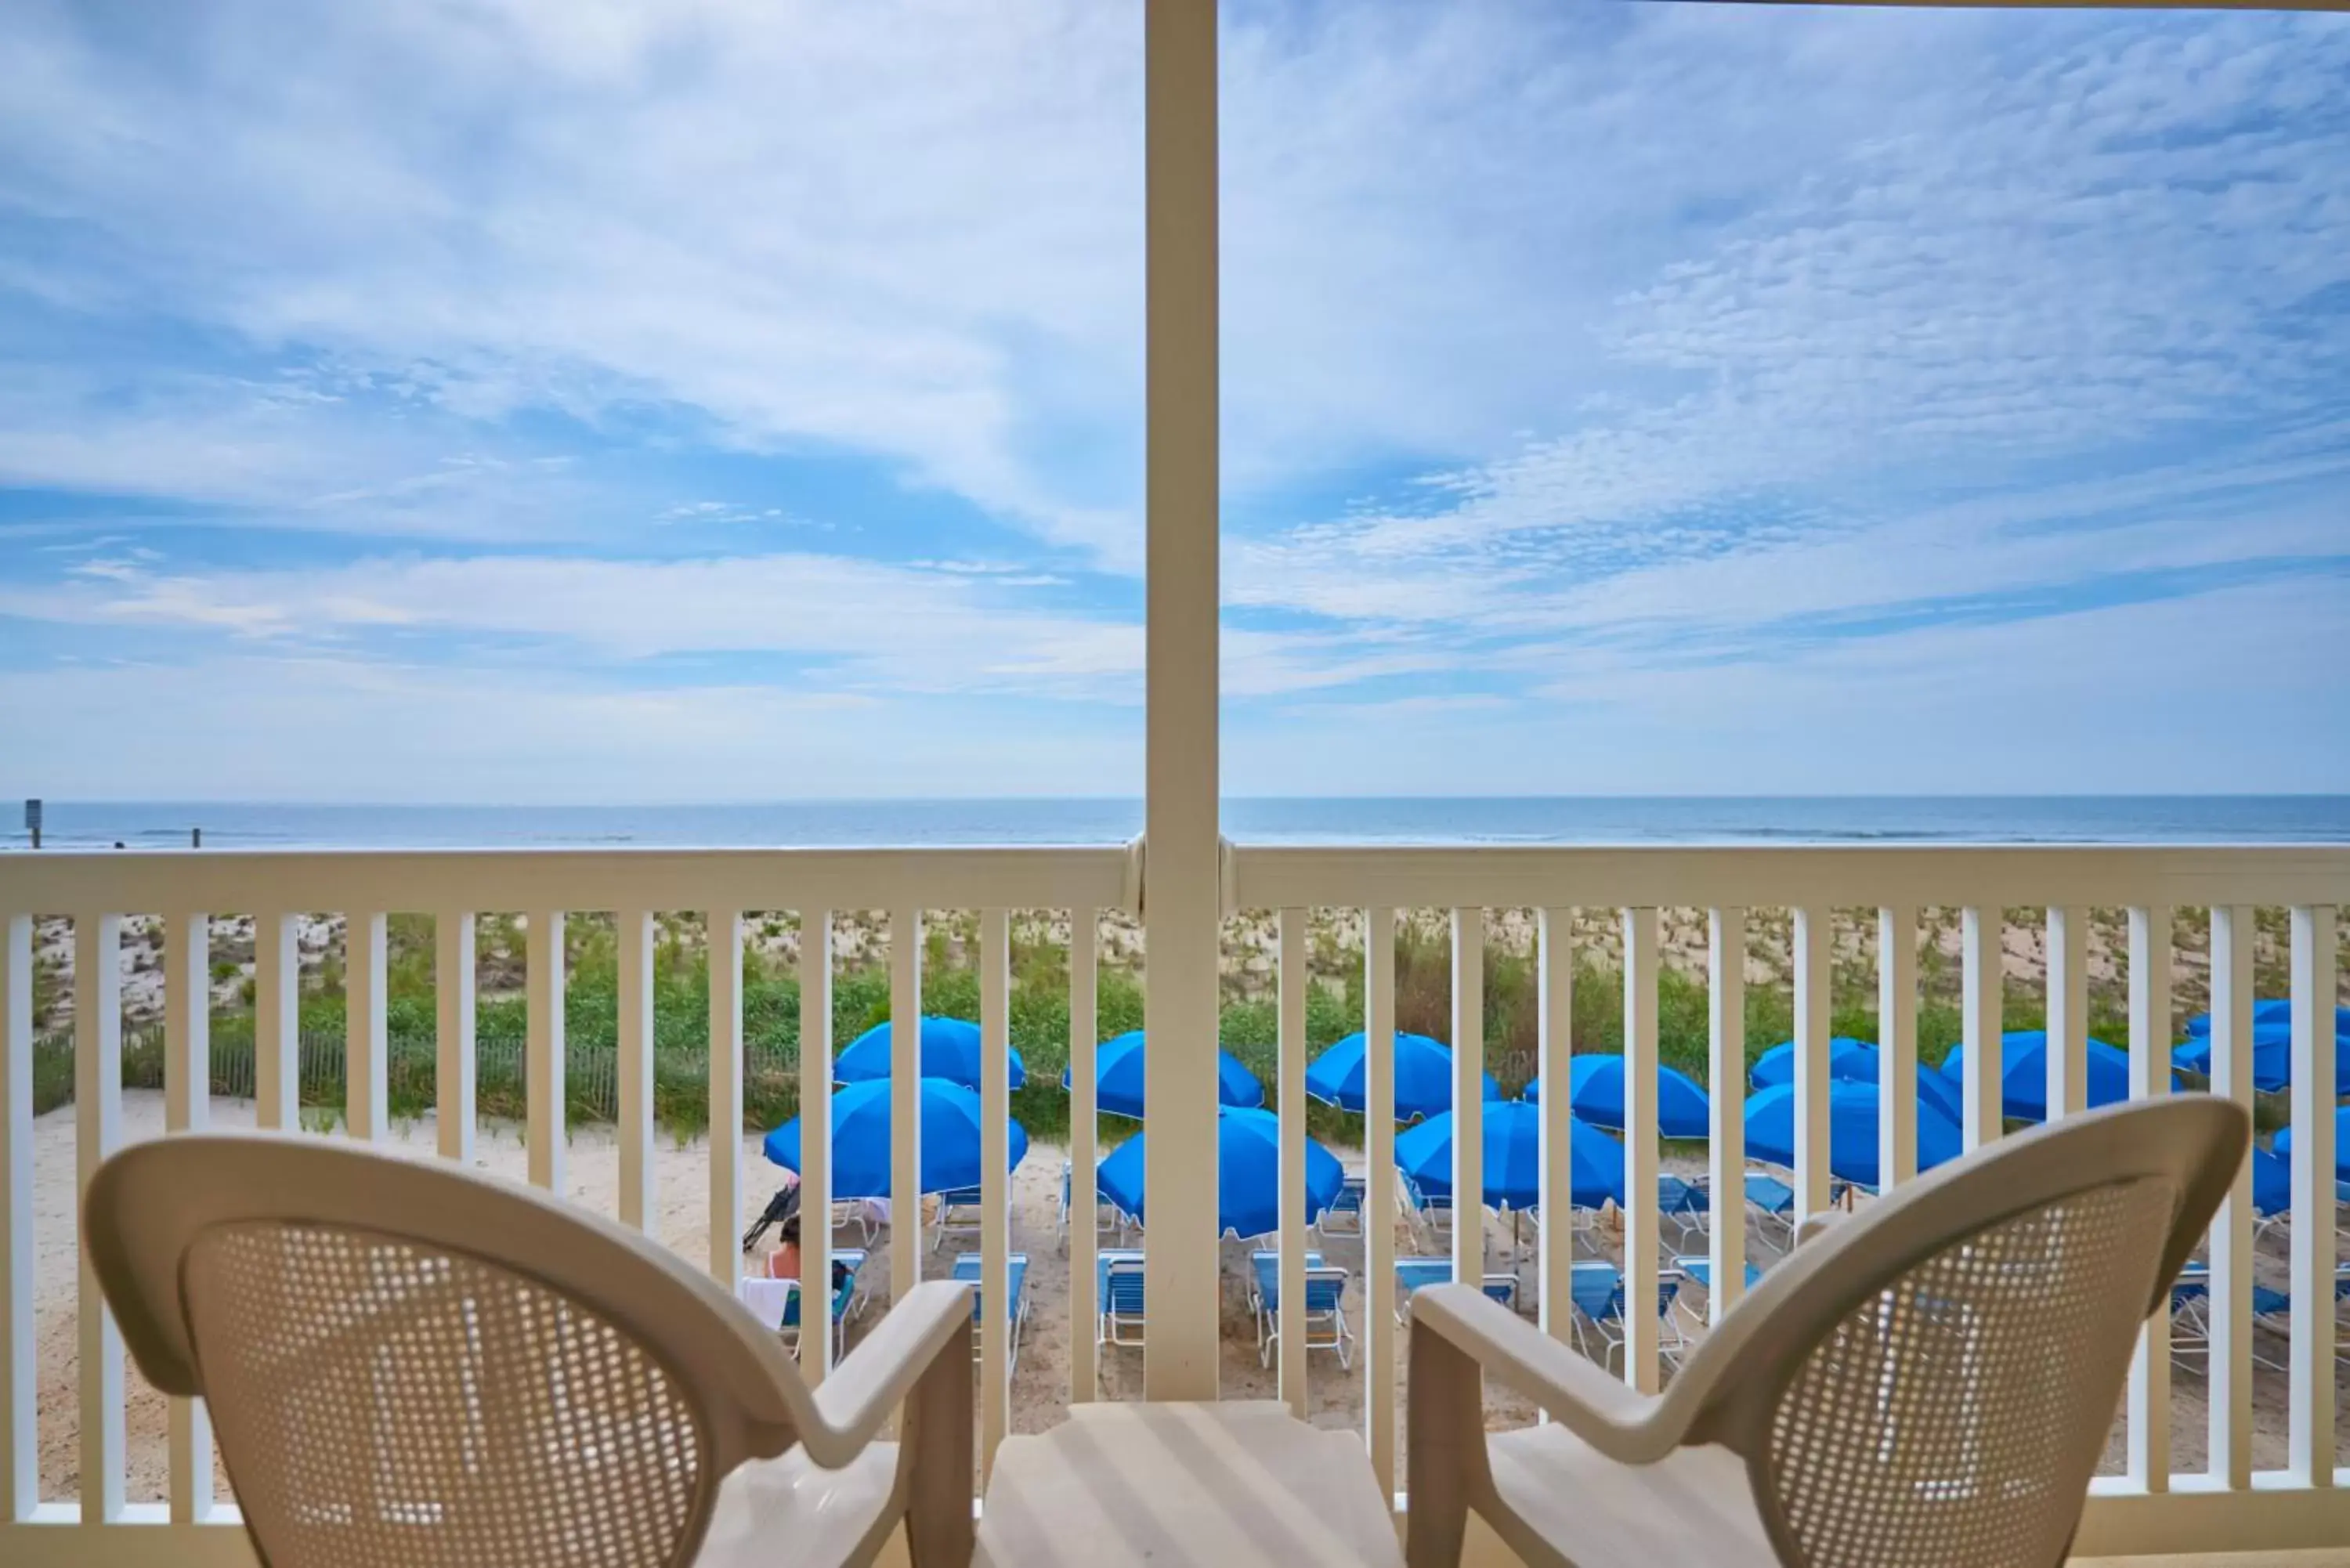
1596, 1089
1512, 1141
860, 1140
1851, 1059
2271, 1058
2283, 1143
1118, 1080
949, 1050
1852, 1130
2024, 1072
1423, 1076
1248, 1174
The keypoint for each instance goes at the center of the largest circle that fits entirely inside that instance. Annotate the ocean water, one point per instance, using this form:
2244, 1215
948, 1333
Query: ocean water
2055, 819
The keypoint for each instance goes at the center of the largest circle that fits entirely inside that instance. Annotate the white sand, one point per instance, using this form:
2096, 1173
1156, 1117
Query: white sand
1040, 1389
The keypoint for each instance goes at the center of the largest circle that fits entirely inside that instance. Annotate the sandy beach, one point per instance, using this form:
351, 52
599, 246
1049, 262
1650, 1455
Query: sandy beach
1041, 1386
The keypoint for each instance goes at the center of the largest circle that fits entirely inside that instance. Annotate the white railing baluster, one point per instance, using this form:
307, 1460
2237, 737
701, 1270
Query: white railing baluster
98, 1132
2310, 1437
543, 1072
1084, 1203
632, 1066
1290, 1346
1640, 1172
2149, 1069
905, 1100
815, 1142
20, 1474
1811, 1010
453, 1058
276, 1022
1379, 1192
725, 1088
187, 1107
367, 1078
1982, 982
1469, 1094
1554, 1047
994, 1184
2068, 1011
1726, 1151
2231, 1351
1897, 1042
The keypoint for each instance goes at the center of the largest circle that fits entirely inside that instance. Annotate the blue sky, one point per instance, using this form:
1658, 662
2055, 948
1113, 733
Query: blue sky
564, 400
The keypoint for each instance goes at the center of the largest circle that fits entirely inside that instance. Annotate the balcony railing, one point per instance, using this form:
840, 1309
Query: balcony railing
2229, 1506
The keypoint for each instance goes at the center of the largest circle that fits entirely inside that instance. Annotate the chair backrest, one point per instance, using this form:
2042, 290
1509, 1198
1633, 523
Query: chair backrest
408, 1363
1121, 1283
1597, 1289
1325, 1289
1933, 1379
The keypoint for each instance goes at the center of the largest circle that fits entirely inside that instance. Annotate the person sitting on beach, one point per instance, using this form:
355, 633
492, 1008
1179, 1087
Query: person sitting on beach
784, 1262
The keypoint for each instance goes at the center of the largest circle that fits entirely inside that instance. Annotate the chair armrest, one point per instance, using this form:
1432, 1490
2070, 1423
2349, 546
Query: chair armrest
1622, 1423
856, 1400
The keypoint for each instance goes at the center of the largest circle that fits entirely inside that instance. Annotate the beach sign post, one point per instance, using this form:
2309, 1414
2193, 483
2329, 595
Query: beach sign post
33, 821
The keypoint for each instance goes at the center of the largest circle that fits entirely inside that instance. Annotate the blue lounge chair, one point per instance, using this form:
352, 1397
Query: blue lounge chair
1598, 1291
1109, 1219
1346, 1208
1683, 1204
1417, 1274
1326, 1315
958, 1211
1427, 1205
1700, 1268
1771, 1201
967, 1268
781, 1299
1118, 1286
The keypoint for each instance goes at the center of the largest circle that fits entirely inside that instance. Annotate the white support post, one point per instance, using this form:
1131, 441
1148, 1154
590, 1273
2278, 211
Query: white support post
905, 1100
20, 1473
1726, 1150
543, 1069
1982, 981
1811, 1010
2068, 1011
633, 1067
98, 1132
1183, 899
1897, 1044
726, 943
2149, 1069
996, 1305
187, 1107
2310, 1433
367, 1089
276, 1022
1085, 1204
1556, 1048
2230, 1353
1640, 1168
1379, 1192
816, 1143
1469, 1094
454, 1063
1290, 1346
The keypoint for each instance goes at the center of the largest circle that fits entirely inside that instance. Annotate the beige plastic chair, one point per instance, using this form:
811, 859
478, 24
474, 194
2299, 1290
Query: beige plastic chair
1930, 1382
411, 1365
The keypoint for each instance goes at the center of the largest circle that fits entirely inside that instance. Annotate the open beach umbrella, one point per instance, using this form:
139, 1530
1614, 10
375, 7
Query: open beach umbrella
1117, 1078
1847, 1059
1248, 1175
1852, 1130
860, 1140
2024, 1072
2284, 1142
1423, 1076
1514, 1158
2271, 1058
949, 1050
1596, 1089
